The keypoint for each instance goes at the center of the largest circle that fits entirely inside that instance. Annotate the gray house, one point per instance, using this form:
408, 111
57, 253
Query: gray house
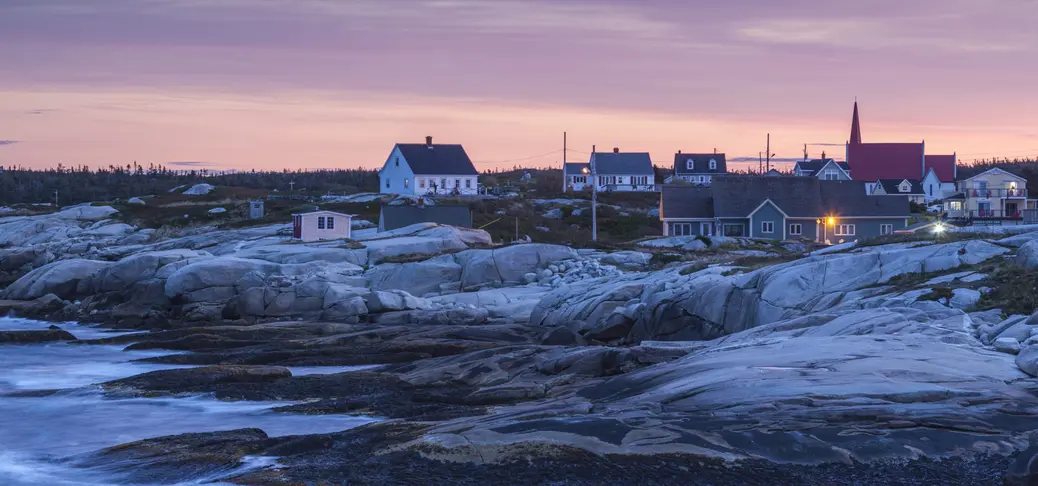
393, 217
699, 168
825, 169
781, 208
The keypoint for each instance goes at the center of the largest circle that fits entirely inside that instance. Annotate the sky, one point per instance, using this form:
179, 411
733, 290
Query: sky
273, 84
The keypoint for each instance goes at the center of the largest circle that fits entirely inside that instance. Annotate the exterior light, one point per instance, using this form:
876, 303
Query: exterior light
585, 170
831, 221
938, 228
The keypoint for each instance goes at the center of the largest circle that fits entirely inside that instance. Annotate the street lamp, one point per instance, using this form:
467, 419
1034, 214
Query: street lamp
590, 170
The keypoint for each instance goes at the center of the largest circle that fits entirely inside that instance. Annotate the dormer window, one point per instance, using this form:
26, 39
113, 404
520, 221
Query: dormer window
905, 186
689, 164
713, 164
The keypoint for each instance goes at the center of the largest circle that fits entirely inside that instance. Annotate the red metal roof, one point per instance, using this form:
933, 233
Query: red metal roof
873, 161
943, 166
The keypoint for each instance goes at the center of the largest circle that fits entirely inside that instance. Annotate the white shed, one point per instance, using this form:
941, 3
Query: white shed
321, 225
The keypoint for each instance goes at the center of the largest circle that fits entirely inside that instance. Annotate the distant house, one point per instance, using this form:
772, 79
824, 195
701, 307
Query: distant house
825, 168
872, 161
321, 225
623, 171
699, 168
912, 189
393, 217
419, 169
781, 208
993, 196
576, 176
772, 173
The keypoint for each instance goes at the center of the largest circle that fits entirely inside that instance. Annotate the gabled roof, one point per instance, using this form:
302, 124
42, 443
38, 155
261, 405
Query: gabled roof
623, 163
848, 199
738, 196
393, 217
437, 159
893, 187
700, 163
996, 169
815, 165
855, 126
330, 213
686, 202
943, 167
572, 168
873, 161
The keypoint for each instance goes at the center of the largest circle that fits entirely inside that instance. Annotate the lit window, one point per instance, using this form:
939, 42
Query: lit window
796, 229
331, 222
407, 183
320, 222
767, 227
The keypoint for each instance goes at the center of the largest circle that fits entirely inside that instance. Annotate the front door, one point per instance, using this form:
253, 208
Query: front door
1011, 209
706, 229
984, 209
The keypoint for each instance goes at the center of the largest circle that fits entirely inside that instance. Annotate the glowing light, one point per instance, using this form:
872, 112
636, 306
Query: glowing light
831, 221
938, 228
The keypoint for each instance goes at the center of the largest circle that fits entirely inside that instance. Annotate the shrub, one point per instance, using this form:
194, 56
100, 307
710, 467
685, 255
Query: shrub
937, 293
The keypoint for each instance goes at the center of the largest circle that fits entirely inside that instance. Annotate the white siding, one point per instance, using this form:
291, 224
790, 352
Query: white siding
626, 182
312, 231
396, 176
467, 185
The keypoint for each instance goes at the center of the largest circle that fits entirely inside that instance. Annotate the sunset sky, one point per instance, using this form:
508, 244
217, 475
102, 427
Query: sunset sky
270, 84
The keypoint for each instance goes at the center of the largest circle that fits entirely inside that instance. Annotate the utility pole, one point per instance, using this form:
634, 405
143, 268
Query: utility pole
769, 151
55, 198
564, 162
760, 163
594, 198
516, 240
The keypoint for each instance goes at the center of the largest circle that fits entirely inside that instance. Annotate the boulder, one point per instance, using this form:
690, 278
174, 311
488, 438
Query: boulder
561, 336
964, 298
553, 214
1007, 345
416, 278
217, 211
508, 265
694, 245
199, 190
136, 200
139, 267
394, 300
289, 254
86, 213
627, 259
1027, 360
1027, 254
214, 273
614, 327
68, 279
35, 337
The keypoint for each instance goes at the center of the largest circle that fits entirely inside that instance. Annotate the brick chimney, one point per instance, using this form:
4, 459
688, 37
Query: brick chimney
428, 141
616, 150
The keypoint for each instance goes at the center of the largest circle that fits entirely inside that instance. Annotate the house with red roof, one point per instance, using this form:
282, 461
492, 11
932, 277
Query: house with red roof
871, 162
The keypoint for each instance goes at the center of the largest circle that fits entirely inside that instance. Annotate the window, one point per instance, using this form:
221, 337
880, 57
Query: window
845, 230
468, 183
387, 183
886, 229
713, 164
930, 187
706, 229
905, 186
956, 206
457, 182
682, 229
320, 222
421, 183
689, 164
407, 183
767, 226
398, 161
443, 183
331, 222
796, 229
733, 229
831, 175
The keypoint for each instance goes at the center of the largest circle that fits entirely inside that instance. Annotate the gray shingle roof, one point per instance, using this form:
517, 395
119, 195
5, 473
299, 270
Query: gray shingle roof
678, 201
736, 196
623, 163
848, 199
440, 159
700, 164
573, 168
891, 187
815, 165
393, 217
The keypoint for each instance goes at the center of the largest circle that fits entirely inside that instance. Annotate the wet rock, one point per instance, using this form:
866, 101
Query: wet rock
193, 378
1007, 345
35, 337
67, 279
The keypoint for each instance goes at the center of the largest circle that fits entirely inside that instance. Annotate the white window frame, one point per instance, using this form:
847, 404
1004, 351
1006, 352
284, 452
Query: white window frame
886, 229
798, 231
955, 206
686, 229
767, 227
845, 230
320, 222
835, 176
421, 183
407, 183
713, 164
468, 183
689, 164
742, 229
905, 187
330, 222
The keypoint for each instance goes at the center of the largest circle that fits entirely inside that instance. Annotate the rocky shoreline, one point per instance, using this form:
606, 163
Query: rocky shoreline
543, 364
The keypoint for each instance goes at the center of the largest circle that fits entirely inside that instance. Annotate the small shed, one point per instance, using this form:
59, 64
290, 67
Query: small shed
393, 217
321, 225
256, 209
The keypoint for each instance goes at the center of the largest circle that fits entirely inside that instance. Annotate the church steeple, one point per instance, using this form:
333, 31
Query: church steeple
855, 126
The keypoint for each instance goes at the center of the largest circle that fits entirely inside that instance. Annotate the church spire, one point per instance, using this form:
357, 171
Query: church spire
855, 126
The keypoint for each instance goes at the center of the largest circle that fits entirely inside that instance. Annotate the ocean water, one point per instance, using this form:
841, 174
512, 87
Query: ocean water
40, 434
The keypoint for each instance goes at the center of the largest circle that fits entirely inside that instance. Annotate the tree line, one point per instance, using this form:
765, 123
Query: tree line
82, 184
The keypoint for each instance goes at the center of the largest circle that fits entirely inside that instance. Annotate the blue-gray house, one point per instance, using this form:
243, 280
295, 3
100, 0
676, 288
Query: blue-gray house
781, 208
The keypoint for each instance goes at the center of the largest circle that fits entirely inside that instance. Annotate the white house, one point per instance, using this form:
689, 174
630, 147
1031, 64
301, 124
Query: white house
417, 169
825, 169
622, 171
934, 188
910, 188
575, 176
321, 225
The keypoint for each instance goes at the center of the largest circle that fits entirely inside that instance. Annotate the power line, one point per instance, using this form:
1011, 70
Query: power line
519, 159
